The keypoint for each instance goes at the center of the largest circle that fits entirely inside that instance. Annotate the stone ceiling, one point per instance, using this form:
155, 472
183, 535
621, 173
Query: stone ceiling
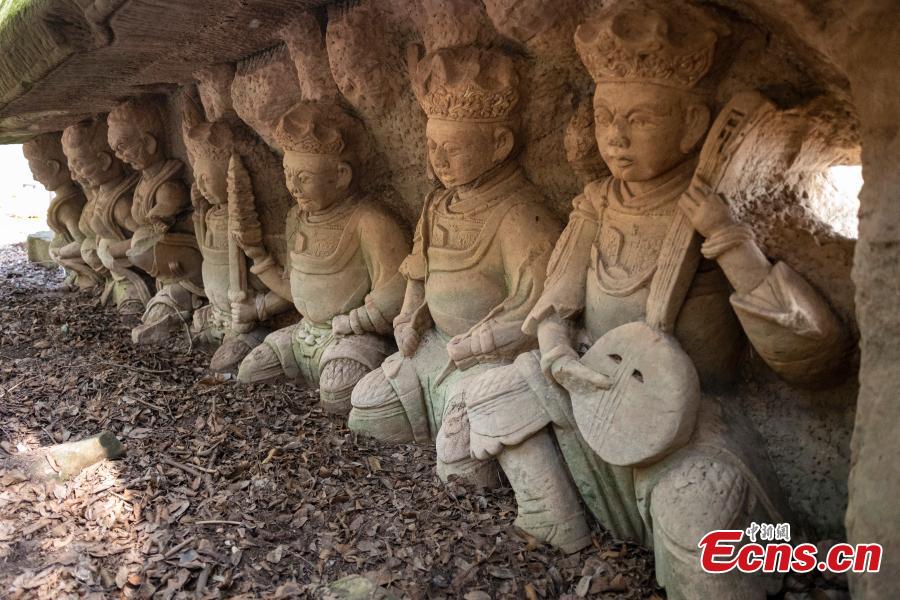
62, 60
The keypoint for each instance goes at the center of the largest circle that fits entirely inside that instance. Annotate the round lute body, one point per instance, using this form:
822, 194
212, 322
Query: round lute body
650, 410
651, 407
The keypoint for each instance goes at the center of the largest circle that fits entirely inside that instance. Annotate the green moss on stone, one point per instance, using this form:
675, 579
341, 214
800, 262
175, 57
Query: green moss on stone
9, 9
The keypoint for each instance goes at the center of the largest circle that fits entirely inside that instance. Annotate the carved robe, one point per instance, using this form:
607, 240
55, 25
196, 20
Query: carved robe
89, 243
340, 261
63, 217
127, 284
165, 249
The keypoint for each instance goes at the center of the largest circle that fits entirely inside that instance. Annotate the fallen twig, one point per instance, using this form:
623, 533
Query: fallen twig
189, 469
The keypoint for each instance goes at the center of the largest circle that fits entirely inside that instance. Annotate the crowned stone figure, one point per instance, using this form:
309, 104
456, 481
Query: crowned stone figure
49, 167
477, 266
164, 244
107, 219
629, 236
341, 273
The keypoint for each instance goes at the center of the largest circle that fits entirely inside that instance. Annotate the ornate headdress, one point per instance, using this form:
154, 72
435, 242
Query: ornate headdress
141, 113
666, 43
91, 134
320, 128
46, 146
203, 139
468, 84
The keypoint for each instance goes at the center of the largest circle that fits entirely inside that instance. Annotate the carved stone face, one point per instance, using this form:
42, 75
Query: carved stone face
316, 181
48, 173
643, 130
135, 147
370, 88
215, 93
211, 177
460, 152
91, 167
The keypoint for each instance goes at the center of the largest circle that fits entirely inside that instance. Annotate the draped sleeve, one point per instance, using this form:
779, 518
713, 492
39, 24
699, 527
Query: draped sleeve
567, 270
384, 245
792, 327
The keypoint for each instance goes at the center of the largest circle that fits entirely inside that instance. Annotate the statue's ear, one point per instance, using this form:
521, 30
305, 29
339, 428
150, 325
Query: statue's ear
504, 142
107, 160
150, 143
344, 175
55, 166
697, 117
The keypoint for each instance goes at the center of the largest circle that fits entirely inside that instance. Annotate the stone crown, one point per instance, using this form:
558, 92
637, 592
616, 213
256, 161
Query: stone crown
211, 141
315, 128
667, 43
468, 84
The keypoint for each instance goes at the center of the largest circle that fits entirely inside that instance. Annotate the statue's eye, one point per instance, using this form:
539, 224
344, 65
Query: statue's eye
640, 119
603, 118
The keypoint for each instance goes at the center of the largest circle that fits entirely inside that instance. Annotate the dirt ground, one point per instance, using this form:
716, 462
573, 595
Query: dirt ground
235, 492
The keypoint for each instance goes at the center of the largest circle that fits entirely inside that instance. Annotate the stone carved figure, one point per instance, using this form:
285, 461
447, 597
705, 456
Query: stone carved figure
210, 148
164, 244
49, 167
342, 269
629, 236
107, 218
233, 173
477, 267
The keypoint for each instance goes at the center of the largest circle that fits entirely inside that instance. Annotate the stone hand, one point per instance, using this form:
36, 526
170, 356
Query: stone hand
706, 210
461, 352
197, 199
340, 325
408, 339
573, 375
159, 227
254, 251
243, 313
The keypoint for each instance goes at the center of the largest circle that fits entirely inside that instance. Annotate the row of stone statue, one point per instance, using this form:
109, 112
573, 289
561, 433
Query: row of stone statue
581, 364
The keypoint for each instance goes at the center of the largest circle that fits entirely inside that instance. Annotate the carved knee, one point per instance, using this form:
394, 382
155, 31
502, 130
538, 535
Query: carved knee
336, 383
377, 410
695, 498
687, 503
261, 364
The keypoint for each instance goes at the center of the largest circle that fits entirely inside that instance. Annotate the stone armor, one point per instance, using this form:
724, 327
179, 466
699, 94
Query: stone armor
342, 261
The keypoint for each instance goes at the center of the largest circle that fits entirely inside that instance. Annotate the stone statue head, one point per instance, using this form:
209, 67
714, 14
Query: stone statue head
209, 147
652, 62
471, 97
90, 158
365, 61
324, 147
214, 87
47, 161
137, 132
